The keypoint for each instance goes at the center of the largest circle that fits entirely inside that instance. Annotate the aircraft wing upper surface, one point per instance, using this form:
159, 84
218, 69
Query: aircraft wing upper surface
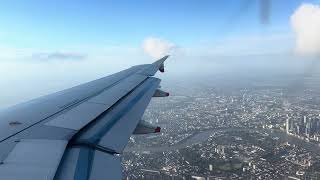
78, 133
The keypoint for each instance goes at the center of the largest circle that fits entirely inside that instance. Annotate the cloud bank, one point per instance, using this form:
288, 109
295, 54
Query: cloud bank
59, 56
156, 47
306, 24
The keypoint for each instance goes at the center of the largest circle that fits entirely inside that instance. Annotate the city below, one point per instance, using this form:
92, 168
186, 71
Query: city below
260, 130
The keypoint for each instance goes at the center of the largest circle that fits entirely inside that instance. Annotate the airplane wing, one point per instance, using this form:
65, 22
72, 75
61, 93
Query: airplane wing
78, 133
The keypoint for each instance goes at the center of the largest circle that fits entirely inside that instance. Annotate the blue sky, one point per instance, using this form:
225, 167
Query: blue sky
46, 46
61, 23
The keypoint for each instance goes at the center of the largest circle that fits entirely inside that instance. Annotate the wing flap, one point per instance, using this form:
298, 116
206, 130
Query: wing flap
113, 129
33, 160
93, 153
117, 136
102, 165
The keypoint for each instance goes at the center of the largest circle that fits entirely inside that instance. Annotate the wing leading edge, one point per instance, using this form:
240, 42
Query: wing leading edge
82, 131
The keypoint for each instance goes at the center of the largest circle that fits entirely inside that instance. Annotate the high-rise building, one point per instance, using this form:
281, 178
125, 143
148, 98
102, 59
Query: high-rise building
288, 125
304, 119
308, 129
313, 127
298, 129
318, 127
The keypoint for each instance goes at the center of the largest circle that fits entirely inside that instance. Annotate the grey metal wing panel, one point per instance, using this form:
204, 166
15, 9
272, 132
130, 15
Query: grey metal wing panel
114, 94
77, 117
106, 165
100, 142
45, 125
102, 165
33, 159
151, 69
84, 113
113, 129
126, 124
22, 116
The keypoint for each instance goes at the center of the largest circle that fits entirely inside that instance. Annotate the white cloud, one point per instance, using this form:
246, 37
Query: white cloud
156, 47
306, 24
28, 54
59, 55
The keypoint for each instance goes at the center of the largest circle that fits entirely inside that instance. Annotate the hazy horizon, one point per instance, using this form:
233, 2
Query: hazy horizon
44, 52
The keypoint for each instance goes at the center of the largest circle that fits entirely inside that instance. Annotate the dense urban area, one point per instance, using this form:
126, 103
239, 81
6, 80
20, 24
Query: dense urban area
259, 130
